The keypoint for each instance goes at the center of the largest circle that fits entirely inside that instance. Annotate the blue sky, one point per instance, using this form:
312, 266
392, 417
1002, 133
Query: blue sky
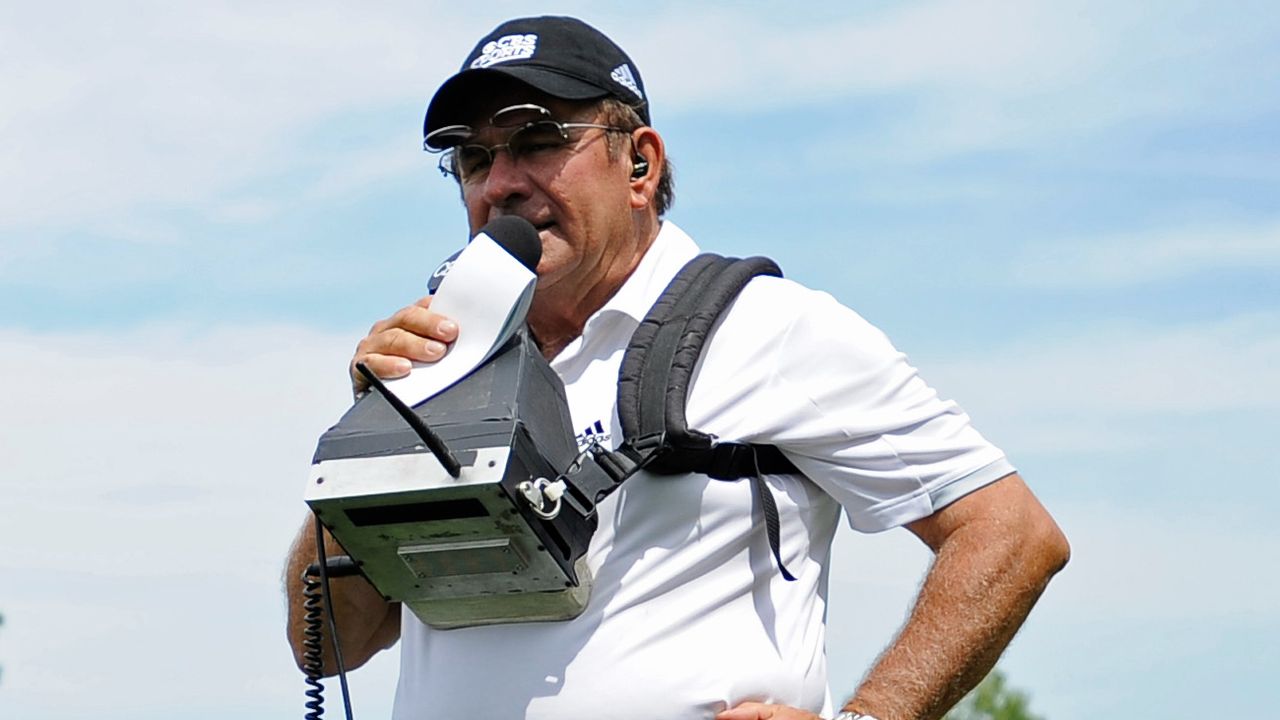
1067, 214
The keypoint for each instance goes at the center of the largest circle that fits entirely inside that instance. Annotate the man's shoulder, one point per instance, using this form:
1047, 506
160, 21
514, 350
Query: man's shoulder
803, 333
780, 303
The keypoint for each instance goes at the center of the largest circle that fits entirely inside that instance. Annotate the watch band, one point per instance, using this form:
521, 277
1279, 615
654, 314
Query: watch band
851, 715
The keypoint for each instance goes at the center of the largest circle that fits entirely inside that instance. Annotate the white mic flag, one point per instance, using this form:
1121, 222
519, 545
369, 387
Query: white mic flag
487, 292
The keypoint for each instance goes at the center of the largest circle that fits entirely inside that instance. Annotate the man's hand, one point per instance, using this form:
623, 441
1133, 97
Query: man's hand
413, 333
761, 711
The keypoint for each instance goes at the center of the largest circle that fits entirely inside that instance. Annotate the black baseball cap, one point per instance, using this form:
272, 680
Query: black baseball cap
561, 56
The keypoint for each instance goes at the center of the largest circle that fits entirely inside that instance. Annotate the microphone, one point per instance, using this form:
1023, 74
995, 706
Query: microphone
487, 289
513, 234
518, 237
448, 487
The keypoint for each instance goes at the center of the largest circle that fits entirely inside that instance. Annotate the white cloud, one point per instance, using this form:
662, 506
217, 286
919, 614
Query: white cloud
141, 105
114, 107
760, 60
1134, 571
177, 419
1148, 256
356, 171
973, 76
1154, 593
152, 482
1079, 379
1209, 556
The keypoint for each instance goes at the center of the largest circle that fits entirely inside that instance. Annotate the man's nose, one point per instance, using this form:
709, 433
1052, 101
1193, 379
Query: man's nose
506, 180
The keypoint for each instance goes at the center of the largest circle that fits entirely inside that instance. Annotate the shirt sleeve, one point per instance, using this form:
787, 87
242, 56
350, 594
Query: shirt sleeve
856, 418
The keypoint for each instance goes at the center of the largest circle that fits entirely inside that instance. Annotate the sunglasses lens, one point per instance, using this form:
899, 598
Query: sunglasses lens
447, 137
533, 135
518, 115
469, 160
537, 137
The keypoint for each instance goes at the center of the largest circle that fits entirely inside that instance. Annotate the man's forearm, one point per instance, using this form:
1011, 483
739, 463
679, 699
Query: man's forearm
983, 583
366, 622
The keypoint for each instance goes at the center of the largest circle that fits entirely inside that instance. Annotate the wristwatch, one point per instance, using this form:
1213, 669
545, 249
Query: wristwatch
851, 715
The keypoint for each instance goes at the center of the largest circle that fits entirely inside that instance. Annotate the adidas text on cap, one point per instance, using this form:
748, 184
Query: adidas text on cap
560, 56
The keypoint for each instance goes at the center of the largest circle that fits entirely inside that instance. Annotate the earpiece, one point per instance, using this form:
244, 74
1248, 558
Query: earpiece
639, 167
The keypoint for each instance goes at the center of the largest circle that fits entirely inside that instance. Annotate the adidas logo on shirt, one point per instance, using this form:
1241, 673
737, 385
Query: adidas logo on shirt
624, 77
505, 48
593, 434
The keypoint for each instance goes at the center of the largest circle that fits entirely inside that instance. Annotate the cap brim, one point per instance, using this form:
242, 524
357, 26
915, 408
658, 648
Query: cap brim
459, 95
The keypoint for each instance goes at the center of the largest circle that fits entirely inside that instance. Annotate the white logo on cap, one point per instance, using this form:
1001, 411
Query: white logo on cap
624, 77
505, 49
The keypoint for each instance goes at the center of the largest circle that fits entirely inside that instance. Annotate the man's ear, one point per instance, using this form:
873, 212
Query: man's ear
646, 165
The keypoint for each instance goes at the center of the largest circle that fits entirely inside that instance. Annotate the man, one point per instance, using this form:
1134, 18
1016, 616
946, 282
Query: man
689, 616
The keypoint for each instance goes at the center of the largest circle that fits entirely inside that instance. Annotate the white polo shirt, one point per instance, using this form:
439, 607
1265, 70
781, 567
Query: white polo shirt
689, 614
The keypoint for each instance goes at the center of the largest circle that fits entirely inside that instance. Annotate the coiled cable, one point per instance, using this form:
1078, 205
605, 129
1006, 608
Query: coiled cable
312, 644
317, 603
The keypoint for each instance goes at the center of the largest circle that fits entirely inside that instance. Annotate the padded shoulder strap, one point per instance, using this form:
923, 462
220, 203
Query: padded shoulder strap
647, 365
653, 384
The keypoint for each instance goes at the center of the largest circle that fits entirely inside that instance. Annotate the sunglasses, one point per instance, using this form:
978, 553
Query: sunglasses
535, 135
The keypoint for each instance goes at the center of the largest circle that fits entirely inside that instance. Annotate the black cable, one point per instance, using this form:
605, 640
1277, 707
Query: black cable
312, 644
333, 625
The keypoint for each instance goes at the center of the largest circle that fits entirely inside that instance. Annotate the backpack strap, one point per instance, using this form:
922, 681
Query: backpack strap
653, 384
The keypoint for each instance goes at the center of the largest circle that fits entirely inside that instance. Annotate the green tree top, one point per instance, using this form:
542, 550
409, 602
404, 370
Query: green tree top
993, 699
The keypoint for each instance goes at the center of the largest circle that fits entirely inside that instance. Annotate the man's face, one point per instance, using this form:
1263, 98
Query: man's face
576, 196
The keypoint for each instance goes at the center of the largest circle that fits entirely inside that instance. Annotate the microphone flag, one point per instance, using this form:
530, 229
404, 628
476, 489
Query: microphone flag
487, 291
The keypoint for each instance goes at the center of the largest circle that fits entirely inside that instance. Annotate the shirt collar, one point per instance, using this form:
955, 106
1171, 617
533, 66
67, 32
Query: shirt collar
671, 249
623, 312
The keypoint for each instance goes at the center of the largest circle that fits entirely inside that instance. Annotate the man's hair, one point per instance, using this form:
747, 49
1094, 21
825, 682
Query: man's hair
619, 114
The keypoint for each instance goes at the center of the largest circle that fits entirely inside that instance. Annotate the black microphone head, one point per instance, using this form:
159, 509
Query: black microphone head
518, 237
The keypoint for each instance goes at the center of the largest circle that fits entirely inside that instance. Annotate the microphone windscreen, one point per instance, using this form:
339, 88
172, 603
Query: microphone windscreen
518, 237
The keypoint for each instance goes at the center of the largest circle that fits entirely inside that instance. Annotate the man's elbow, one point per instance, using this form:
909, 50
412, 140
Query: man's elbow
299, 655
359, 642
1037, 538
301, 652
353, 658
1047, 544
